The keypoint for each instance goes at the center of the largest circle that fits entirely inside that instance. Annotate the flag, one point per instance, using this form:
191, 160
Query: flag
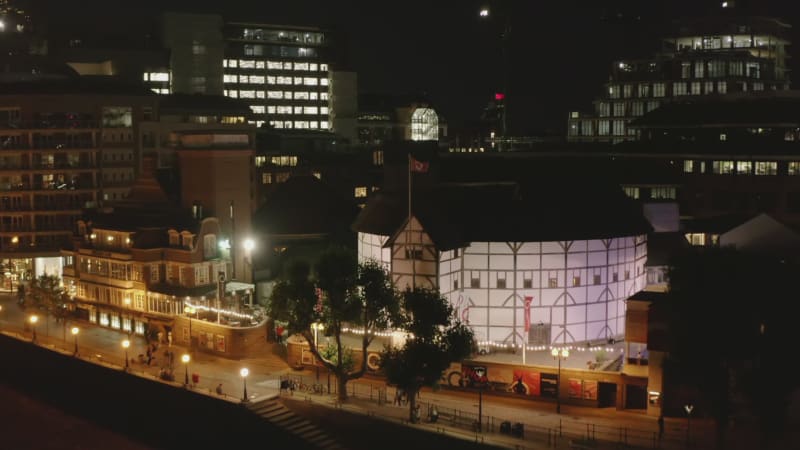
418, 166
528, 300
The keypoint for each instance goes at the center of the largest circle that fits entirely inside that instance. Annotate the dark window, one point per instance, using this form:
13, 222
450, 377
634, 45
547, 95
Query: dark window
501, 283
527, 284
597, 279
475, 283
414, 253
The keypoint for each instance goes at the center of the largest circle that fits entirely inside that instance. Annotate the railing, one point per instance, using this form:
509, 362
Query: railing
562, 432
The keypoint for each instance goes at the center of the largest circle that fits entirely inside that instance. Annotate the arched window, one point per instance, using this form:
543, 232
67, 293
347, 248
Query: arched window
424, 125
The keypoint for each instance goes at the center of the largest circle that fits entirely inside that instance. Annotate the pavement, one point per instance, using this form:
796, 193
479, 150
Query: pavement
371, 396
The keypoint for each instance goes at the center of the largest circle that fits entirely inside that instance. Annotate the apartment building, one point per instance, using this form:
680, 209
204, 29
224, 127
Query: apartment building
708, 56
66, 144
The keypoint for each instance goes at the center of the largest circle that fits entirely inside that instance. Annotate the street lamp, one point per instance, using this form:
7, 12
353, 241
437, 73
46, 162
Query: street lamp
33, 319
501, 13
249, 245
125, 344
75, 331
189, 310
186, 358
317, 327
559, 355
244, 372
688, 408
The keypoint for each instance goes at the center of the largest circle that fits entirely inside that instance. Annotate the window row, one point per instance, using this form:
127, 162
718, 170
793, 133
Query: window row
727, 167
646, 90
277, 95
270, 79
273, 65
300, 124
551, 280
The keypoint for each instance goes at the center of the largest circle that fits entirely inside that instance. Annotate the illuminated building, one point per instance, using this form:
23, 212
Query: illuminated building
719, 55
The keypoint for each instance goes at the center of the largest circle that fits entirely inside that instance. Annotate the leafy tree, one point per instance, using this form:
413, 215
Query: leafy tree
352, 295
47, 295
727, 328
435, 338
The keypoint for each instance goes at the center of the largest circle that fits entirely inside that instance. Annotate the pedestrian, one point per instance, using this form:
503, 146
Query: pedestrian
660, 427
219, 389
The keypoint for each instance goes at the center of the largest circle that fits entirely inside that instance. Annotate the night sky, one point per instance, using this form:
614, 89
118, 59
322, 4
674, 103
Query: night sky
561, 51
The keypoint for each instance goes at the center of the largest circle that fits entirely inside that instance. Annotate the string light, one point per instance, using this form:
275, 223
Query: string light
571, 348
220, 311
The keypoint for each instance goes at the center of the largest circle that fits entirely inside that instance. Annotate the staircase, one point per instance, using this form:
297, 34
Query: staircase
273, 411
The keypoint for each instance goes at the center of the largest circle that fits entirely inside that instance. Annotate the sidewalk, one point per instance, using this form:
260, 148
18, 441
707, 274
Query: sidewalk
103, 345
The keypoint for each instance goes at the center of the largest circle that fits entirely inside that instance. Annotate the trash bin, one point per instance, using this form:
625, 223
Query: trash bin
195, 378
505, 427
518, 430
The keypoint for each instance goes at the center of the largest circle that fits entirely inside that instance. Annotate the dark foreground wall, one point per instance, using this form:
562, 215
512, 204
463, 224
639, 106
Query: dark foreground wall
153, 413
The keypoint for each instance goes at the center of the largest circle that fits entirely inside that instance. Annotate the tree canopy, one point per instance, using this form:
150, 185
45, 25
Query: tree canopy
435, 338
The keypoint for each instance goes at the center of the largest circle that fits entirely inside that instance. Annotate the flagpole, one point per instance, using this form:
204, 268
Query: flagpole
410, 249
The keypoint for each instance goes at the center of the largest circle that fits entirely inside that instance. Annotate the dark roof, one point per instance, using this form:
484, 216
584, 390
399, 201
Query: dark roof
661, 247
648, 296
769, 108
85, 85
200, 104
716, 224
454, 214
304, 205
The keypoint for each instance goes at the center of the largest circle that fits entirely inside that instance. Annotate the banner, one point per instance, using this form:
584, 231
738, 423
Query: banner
528, 300
575, 388
590, 390
526, 383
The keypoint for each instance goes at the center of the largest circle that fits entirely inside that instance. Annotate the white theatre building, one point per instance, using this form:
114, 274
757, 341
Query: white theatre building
572, 255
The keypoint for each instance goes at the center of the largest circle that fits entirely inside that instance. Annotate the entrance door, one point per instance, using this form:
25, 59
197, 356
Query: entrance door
607, 394
635, 397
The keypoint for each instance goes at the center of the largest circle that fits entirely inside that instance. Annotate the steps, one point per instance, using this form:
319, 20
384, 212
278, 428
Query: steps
273, 411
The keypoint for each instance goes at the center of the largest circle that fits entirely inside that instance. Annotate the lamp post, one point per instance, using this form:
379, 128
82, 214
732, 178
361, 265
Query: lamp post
688, 408
487, 13
33, 319
316, 326
244, 372
249, 245
559, 355
75, 331
189, 310
125, 344
186, 358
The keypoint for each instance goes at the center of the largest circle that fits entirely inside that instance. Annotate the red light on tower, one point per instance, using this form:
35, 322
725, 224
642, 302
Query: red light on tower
499, 96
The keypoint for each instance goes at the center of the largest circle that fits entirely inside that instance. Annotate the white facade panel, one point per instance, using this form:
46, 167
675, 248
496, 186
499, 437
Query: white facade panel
504, 262
576, 296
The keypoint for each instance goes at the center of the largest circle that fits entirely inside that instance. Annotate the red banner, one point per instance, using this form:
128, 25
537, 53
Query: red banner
526, 383
528, 300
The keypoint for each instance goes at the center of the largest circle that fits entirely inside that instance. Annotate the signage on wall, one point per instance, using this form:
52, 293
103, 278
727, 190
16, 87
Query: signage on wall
590, 390
526, 383
549, 385
575, 388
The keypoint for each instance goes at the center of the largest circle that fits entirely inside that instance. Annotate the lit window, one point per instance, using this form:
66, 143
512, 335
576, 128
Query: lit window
313, 96
766, 168
287, 95
309, 81
257, 109
301, 95
284, 80
259, 64
688, 166
275, 94
313, 67
247, 64
324, 125
271, 79
323, 81
270, 110
145, 76
159, 76
247, 94
632, 192
228, 78
256, 79
793, 168
301, 66
662, 193
259, 94
552, 283
310, 110
723, 137
233, 63
722, 167
301, 124
266, 178
284, 109
323, 95
287, 66
298, 80
276, 65
361, 192
744, 167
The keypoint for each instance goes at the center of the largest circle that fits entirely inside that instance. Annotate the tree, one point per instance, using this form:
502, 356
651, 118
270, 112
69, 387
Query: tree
435, 339
47, 295
727, 328
342, 294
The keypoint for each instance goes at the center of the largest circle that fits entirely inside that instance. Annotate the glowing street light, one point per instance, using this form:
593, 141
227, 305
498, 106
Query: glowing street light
316, 326
244, 373
559, 355
484, 12
125, 344
186, 358
33, 319
75, 331
189, 310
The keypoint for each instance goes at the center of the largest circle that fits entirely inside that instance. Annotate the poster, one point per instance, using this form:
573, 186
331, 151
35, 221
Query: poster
220, 343
549, 385
474, 376
590, 390
575, 388
526, 383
